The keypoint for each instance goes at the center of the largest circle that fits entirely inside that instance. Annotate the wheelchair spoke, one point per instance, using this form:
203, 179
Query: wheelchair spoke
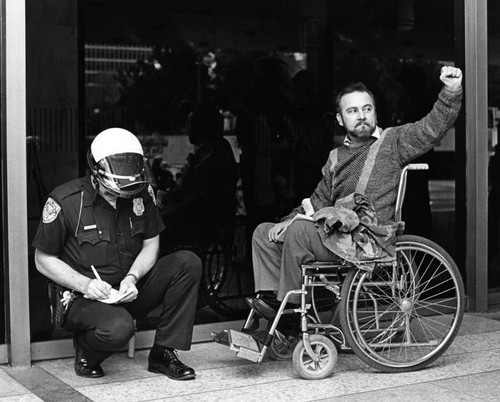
404, 316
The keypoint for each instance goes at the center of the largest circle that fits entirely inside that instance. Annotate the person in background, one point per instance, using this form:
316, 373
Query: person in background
264, 137
311, 138
99, 239
206, 200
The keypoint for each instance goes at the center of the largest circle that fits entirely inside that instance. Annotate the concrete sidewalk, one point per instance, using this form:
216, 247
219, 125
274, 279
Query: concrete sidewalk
468, 371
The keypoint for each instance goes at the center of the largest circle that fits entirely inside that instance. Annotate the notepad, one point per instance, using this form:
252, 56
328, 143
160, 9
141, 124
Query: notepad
114, 297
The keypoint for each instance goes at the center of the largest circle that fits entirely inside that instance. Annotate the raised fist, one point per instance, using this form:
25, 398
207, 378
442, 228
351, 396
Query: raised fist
451, 78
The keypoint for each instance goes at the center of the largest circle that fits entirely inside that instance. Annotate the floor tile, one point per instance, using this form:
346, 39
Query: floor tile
475, 324
469, 370
9, 386
474, 342
21, 398
44, 385
485, 385
492, 315
415, 393
279, 381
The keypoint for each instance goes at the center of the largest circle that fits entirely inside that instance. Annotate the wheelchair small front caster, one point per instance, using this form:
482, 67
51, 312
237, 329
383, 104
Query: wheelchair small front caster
324, 349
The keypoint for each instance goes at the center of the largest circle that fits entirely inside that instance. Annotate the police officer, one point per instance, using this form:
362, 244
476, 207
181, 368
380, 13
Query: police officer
99, 237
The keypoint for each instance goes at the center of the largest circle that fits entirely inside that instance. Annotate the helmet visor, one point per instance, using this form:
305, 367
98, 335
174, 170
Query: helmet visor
123, 175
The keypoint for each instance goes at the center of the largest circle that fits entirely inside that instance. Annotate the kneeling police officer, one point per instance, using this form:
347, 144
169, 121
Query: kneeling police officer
99, 238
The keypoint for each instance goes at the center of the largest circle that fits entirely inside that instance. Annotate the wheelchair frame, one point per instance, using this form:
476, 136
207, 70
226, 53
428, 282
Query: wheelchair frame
400, 316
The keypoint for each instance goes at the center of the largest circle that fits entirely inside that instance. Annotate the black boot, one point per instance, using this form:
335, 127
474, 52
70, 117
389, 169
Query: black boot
82, 367
267, 307
262, 308
165, 361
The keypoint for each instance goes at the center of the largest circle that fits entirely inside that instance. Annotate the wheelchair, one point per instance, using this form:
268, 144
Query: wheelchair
227, 273
396, 316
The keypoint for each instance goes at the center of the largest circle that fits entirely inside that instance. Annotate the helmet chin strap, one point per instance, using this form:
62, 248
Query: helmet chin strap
110, 198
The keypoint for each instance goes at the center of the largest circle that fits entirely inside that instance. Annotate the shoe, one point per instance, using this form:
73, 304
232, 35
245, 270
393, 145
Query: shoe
258, 335
82, 367
261, 307
165, 361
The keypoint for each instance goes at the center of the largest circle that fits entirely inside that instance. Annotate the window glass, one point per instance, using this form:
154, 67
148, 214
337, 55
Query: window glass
232, 102
493, 147
2, 267
2, 289
52, 143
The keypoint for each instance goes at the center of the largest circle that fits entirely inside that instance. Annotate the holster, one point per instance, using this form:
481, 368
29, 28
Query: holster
60, 299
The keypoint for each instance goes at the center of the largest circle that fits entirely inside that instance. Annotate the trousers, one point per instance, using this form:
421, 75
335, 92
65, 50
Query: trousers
172, 284
277, 265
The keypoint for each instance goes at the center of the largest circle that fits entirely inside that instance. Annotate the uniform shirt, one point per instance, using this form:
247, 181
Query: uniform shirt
80, 227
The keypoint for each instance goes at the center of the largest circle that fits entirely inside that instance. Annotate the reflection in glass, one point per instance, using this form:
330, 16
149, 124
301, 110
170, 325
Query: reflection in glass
148, 73
493, 147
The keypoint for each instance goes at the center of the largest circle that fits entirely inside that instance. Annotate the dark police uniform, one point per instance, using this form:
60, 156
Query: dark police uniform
80, 227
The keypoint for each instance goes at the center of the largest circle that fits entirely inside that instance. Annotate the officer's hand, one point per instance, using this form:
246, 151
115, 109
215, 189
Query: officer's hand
451, 78
127, 288
276, 230
98, 290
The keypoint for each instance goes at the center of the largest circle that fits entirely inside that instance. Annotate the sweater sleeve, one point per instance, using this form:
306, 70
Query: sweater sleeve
414, 139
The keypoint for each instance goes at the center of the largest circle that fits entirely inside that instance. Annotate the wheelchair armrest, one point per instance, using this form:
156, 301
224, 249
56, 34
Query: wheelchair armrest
401, 228
325, 267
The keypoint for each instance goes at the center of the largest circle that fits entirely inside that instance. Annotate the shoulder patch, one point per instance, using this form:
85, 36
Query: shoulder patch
50, 210
152, 193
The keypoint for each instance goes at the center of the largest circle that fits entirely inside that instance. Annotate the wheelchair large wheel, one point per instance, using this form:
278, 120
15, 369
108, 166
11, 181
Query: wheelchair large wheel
326, 352
228, 277
403, 316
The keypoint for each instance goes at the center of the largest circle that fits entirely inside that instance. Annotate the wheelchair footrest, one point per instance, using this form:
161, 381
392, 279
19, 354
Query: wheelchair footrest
245, 345
221, 337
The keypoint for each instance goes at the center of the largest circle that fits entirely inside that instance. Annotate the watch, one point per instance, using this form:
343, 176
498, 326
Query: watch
136, 279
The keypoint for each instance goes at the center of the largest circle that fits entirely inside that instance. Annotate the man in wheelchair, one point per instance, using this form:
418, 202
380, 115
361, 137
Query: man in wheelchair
369, 164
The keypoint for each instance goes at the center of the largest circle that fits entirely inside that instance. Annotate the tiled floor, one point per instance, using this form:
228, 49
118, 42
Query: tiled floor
469, 371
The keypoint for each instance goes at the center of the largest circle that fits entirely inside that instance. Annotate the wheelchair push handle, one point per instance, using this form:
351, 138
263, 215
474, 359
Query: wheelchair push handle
402, 186
418, 166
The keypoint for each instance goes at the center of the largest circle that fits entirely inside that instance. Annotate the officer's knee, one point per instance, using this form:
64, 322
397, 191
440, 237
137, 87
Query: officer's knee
116, 334
194, 263
189, 262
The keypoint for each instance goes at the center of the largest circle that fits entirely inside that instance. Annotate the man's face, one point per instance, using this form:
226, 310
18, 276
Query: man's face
102, 190
357, 115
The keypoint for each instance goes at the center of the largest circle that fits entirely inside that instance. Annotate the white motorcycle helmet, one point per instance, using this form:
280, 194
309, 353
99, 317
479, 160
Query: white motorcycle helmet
116, 160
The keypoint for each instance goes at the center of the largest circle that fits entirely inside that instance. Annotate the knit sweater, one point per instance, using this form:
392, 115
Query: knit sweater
373, 167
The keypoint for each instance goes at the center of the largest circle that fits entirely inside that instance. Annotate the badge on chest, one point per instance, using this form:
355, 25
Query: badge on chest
138, 206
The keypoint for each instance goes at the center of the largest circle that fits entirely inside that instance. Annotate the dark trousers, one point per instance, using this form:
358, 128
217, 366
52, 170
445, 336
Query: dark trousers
172, 283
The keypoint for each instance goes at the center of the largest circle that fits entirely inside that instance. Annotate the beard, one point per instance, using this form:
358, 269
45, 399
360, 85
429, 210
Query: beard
362, 131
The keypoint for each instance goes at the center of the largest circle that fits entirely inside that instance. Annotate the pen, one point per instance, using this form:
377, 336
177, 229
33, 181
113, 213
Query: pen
96, 273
